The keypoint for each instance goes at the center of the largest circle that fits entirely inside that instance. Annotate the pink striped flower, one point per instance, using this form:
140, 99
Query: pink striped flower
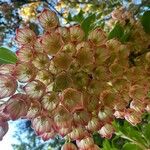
69, 146
17, 106
8, 86
42, 124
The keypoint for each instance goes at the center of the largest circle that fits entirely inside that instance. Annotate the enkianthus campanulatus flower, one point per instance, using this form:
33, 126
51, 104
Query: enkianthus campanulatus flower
71, 85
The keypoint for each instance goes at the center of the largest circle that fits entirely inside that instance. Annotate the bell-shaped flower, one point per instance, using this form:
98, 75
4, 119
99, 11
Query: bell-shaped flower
76, 33
62, 81
62, 60
81, 117
108, 97
42, 124
41, 60
137, 105
62, 118
17, 106
119, 114
84, 55
69, 48
3, 129
8, 86
64, 32
106, 131
137, 92
35, 89
48, 19
78, 133
105, 114
25, 72
25, 36
102, 53
34, 109
97, 37
85, 143
50, 101
25, 54
37, 47
44, 76
48, 135
69, 146
52, 43
92, 103
116, 69
133, 116
64, 131
72, 100
7, 69
94, 124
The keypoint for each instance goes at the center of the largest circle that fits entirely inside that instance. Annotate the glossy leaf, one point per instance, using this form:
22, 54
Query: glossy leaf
7, 56
145, 20
116, 32
86, 25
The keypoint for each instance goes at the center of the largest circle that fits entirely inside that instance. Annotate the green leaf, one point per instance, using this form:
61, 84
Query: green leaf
86, 25
97, 139
79, 17
116, 32
107, 146
117, 142
7, 56
146, 131
130, 146
145, 20
69, 18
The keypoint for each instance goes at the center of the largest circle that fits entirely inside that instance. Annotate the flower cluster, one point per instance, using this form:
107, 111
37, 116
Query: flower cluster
72, 85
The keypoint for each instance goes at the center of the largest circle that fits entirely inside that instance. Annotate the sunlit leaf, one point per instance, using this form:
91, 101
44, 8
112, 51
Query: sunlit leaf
116, 32
7, 56
86, 25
